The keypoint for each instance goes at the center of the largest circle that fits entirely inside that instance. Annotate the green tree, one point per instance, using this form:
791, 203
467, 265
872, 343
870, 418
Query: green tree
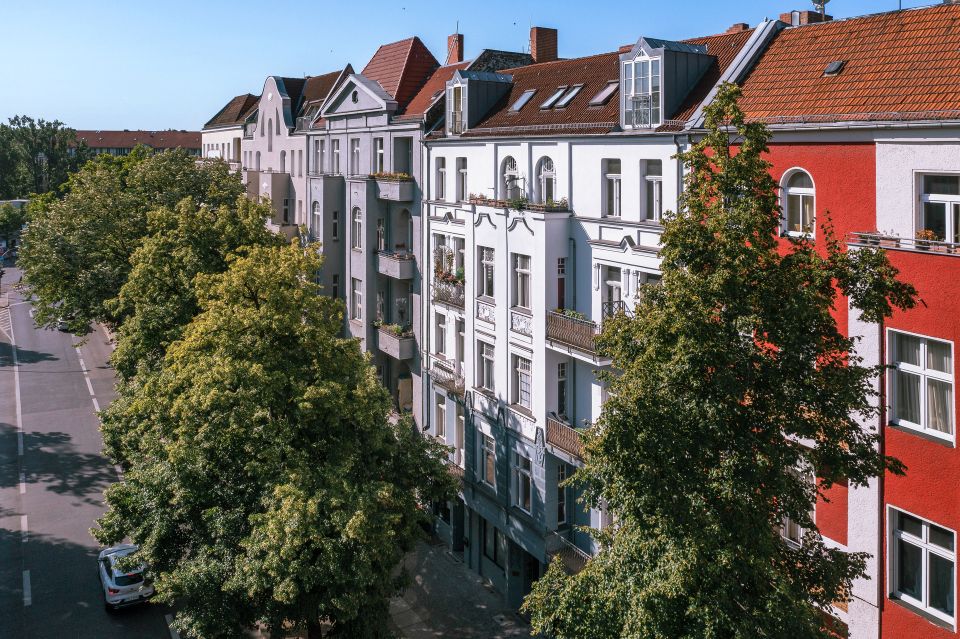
158, 298
265, 482
726, 373
76, 250
12, 219
37, 156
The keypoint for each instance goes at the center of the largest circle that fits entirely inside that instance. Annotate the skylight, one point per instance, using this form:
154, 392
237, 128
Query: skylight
568, 96
553, 98
522, 100
835, 67
604, 96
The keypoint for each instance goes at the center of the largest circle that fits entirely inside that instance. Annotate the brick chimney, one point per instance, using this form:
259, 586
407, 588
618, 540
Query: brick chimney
455, 48
799, 18
738, 27
543, 44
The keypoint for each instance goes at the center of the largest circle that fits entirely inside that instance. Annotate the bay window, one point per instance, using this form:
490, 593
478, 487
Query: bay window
641, 84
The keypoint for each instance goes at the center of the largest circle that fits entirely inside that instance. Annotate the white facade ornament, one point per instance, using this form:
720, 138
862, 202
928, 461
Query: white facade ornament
486, 312
521, 323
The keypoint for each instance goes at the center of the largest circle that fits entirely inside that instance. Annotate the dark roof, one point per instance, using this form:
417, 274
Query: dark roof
401, 69
293, 87
898, 65
432, 90
130, 139
724, 48
235, 111
317, 87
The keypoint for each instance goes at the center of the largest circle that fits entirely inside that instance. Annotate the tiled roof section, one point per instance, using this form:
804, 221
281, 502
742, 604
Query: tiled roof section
594, 72
235, 111
432, 90
130, 139
318, 86
401, 68
898, 65
724, 48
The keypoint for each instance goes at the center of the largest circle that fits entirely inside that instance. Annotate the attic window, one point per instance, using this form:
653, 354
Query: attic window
522, 100
604, 96
553, 98
568, 96
834, 68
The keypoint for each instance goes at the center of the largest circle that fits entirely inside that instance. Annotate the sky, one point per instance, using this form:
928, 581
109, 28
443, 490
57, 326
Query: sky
172, 64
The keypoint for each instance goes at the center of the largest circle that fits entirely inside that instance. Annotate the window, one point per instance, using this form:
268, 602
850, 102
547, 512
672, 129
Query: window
923, 563
461, 343
611, 177
318, 159
258, 161
562, 389
553, 98
335, 285
381, 235
521, 280
522, 482
488, 461
270, 135
459, 435
357, 228
797, 203
546, 181
286, 211
355, 156
521, 381
440, 338
381, 306
494, 544
335, 159
300, 163
568, 96
441, 190
299, 210
378, 164
522, 100
455, 114
486, 287
461, 179
922, 384
487, 361
561, 282
612, 302
940, 210
356, 299
440, 417
335, 225
642, 92
562, 475
509, 179
654, 187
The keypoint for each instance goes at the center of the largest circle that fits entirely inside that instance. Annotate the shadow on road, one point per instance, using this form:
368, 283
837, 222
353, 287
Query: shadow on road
23, 356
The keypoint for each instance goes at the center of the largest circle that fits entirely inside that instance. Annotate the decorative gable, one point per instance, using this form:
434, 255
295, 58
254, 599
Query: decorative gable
358, 94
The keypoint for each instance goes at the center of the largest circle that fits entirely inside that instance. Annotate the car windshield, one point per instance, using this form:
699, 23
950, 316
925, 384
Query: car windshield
129, 580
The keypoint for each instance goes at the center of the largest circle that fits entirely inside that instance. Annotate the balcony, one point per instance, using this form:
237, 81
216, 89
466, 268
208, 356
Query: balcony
573, 558
249, 130
572, 330
564, 437
445, 376
612, 309
394, 187
449, 293
897, 243
396, 341
400, 265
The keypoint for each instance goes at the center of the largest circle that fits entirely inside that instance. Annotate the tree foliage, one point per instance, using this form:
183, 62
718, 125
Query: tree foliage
12, 219
76, 250
264, 480
735, 387
37, 156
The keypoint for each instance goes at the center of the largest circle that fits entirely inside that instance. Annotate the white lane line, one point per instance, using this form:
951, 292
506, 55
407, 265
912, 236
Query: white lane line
27, 595
173, 633
16, 387
83, 366
89, 385
23, 483
86, 378
96, 405
32, 311
24, 529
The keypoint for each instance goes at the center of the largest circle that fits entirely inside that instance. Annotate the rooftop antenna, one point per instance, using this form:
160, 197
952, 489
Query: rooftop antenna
820, 6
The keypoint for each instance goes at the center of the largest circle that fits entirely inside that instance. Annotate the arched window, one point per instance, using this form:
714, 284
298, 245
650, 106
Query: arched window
269, 135
797, 201
283, 161
546, 181
509, 179
278, 122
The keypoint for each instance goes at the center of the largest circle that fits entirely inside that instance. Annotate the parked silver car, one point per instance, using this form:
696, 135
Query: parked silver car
122, 588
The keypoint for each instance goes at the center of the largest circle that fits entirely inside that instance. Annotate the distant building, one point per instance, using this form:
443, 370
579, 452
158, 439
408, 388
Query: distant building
122, 142
223, 133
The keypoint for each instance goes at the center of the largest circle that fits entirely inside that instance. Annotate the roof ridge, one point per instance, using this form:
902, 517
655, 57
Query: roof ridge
879, 14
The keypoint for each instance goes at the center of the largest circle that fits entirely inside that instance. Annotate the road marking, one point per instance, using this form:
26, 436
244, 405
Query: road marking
96, 405
83, 366
23, 529
16, 383
86, 378
173, 633
23, 483
27, 595
89, 385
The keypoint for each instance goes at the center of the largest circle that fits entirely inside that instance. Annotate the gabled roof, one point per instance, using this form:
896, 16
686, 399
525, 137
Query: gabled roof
317, 87
235, 112
898, 65
129, 139
401, 69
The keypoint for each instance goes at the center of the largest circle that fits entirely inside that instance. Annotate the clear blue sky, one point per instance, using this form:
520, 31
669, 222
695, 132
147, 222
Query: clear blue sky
156, 64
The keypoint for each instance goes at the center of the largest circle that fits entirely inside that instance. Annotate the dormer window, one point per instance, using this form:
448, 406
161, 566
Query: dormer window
641, 92
456, 122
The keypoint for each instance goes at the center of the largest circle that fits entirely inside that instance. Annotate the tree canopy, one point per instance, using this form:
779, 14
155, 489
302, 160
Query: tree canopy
734, 389
37, 156
265, 482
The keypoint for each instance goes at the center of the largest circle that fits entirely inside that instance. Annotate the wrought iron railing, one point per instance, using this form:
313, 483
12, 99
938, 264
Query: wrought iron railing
573, 558
564, 437
887, 241
610, 309
445, 376
573, 331
449, 293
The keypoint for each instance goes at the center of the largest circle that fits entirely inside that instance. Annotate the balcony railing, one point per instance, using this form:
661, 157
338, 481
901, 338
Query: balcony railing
564, 437
456, 122
449, 293
572, 331
611, 309
573, 558
445, 376
895, 242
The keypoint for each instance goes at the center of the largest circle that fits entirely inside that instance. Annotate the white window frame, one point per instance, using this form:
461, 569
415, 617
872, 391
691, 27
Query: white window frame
546, 177
379, 159
522, 373
357, 229
563, 390
487, 371
461, 192
510, 179
440, 335
440, 416
522, 482
631, 77
803, 193
487, 272
521, 281
440, 189
927, 548
335, 157
316, 219
354, 156
562, 474
924, 374
318, 153
653, 200
612, 199
356, 294
488, 460
951, 204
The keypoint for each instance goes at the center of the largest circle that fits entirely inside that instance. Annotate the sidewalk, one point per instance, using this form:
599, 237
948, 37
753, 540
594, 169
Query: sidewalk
445, 599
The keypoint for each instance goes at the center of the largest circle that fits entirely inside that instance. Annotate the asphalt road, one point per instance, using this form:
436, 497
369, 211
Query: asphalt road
52, 478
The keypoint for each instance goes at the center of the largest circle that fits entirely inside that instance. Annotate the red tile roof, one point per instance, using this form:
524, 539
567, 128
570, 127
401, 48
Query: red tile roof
432, 90
235, 111
401, 68
898, 65
130, 139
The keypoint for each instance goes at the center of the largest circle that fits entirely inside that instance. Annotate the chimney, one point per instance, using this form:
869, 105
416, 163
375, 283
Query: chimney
799, 18
543, 44
455, 48
738, 27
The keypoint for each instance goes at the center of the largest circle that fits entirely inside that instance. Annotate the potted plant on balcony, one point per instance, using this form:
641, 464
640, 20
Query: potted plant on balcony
392, 176
925, 237
572, 314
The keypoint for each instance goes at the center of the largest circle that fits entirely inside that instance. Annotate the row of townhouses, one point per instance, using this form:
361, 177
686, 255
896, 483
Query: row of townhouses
481, 218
